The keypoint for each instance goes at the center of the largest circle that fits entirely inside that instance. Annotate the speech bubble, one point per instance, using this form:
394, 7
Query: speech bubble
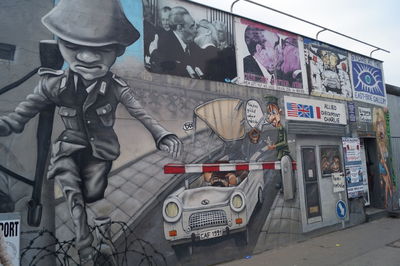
253, 113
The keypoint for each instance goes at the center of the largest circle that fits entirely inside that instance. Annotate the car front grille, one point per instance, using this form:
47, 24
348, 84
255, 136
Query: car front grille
201, 220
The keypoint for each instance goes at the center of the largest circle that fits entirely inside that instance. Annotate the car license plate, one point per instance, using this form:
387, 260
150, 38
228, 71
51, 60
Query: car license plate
211, 234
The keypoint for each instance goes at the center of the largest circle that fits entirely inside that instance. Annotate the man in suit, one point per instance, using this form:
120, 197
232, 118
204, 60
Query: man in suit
174, 52
264, 56
207, 59
267, 62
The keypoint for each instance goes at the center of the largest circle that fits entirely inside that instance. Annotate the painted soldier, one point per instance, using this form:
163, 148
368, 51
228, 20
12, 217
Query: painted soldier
274, 118
91, 35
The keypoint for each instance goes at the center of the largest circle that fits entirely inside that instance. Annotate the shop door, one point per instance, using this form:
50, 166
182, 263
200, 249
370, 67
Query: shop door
376, 197
318, 158
365, 173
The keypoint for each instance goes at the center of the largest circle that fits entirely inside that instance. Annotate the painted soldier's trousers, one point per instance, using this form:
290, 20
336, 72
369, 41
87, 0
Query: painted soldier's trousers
83, 179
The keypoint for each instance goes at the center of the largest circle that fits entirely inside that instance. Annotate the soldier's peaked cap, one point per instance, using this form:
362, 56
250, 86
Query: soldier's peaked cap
91, 23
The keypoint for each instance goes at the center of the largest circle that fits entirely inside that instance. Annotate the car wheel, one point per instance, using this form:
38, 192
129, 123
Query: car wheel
260, 196
242, 238
184, 250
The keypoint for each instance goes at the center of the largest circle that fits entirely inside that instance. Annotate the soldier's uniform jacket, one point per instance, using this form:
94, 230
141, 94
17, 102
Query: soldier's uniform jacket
282, 144
88, 122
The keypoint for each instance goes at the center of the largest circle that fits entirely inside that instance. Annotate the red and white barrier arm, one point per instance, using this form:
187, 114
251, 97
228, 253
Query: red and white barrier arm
222, 167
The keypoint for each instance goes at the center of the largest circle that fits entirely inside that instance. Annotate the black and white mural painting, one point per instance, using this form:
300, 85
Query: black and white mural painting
188, 40
328, 70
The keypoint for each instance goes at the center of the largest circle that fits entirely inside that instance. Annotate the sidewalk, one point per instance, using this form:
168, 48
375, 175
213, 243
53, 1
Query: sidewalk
375, 243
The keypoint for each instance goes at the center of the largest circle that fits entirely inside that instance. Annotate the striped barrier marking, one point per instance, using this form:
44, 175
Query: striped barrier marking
222, 167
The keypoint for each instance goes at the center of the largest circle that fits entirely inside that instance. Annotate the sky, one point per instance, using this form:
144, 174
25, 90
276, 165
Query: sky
373, 22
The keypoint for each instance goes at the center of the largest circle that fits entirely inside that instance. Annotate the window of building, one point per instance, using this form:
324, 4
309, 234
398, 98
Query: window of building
7, 51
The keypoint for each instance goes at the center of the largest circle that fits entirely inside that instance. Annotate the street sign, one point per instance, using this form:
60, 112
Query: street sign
341, 209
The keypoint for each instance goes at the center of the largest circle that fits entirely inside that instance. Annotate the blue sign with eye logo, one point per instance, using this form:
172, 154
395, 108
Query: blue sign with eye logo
341, 209
368, 83
367, 78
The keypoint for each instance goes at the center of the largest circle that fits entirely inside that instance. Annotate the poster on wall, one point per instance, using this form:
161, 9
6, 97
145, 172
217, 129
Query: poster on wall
302, 109
355, 177
367, 75
352, 150
10, 230
355, 181
328, 70
365, 114
331, 162
269, 58
188, 40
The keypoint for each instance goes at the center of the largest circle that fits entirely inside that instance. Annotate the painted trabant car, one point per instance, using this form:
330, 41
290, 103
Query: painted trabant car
206, 211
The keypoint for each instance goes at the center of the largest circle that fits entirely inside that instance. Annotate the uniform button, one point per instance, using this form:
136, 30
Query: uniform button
65, 137
88, 122
91, 139
104, 111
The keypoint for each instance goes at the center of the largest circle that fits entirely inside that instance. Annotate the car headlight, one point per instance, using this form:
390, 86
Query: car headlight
172, 210
237, 201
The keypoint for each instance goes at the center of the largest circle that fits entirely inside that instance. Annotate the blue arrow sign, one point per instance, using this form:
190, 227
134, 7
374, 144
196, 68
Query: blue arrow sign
341, 209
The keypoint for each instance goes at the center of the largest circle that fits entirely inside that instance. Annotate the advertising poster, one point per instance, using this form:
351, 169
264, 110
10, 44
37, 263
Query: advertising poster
355, 181
355, 177
328, 70
351, 108
302, 109
352, 150
368, 80
188, 40
9, 238
269, 58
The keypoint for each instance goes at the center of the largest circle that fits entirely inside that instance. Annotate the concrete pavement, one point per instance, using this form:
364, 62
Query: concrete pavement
374, 243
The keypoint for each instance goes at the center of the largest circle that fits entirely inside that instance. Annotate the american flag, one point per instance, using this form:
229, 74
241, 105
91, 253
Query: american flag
300, 110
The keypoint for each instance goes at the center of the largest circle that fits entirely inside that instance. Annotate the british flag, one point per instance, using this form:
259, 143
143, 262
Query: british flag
300, 110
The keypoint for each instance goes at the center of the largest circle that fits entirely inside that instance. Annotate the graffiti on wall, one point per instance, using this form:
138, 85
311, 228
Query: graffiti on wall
380, 127
188, 40
328, 70
269, 58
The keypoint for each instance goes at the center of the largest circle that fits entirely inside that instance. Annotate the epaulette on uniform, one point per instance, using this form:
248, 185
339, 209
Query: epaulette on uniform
44, 70
119, 81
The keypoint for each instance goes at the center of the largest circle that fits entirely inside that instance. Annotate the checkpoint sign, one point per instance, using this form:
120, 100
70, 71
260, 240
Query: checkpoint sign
341, 209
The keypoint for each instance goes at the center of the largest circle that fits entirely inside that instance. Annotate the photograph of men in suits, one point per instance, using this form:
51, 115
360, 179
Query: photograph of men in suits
191, 48
174, 50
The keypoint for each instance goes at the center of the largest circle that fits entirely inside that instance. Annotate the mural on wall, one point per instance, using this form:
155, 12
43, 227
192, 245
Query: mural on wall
101, 120
269, 58
221, 199
87, 95
368, 80
188, 40
381, 129
328, 70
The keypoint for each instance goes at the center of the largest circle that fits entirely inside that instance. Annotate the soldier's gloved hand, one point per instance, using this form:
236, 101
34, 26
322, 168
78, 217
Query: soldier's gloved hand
172, 145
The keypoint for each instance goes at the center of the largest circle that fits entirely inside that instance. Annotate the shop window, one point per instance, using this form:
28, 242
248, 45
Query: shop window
7, 51
331, 161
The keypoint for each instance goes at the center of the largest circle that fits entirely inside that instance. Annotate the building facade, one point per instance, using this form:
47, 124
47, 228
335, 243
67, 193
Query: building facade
278, 136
